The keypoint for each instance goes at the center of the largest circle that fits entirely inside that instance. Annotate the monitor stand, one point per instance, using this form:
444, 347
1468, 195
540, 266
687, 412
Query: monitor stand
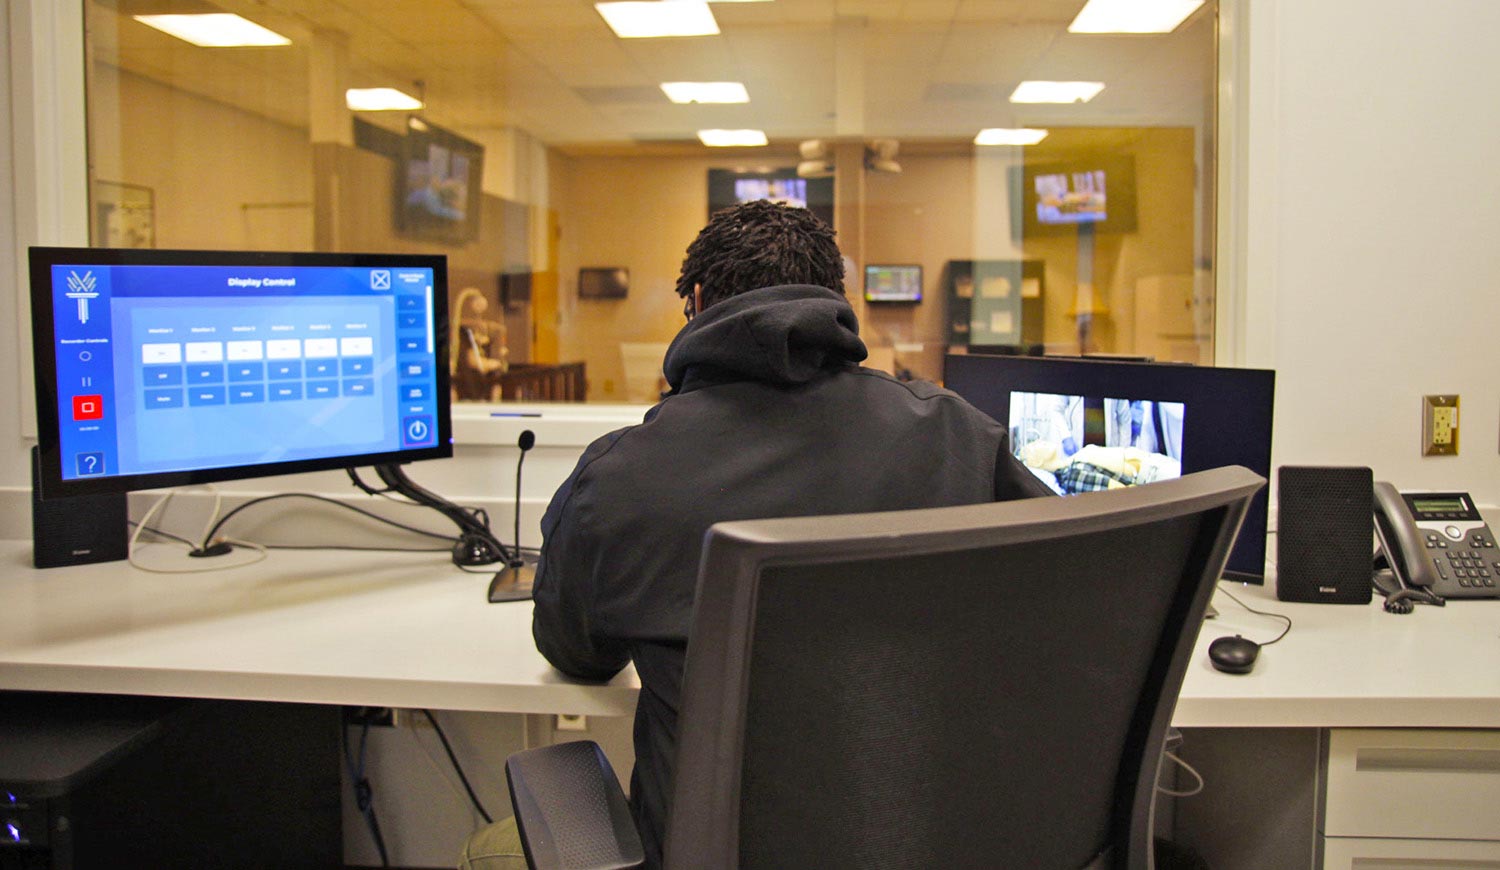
513, 582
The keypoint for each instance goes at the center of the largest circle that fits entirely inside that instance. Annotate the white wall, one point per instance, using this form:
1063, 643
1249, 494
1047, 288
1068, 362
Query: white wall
1373, 266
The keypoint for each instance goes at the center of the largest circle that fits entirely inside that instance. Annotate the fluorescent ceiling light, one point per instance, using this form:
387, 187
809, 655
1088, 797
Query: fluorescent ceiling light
640, 20
380, 100
1056, 92
1133, 16
706, 92
1006, 136
215, 30
731, 138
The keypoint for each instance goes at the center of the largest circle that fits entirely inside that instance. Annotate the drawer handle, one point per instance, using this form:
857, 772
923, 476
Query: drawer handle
1438, 760
1422, 864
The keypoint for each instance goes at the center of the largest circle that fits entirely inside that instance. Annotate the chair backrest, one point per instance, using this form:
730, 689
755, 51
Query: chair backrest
980, 686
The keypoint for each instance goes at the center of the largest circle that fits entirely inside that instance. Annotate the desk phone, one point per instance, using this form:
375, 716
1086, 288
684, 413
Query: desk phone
1438, 541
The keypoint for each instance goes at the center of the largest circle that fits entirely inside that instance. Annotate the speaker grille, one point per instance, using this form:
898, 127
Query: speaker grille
1325, 534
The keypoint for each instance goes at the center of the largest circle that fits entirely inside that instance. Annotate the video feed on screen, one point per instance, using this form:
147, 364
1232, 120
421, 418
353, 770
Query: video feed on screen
1082, 444
1071, 197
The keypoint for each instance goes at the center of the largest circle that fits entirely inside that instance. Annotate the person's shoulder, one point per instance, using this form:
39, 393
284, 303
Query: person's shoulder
917, 389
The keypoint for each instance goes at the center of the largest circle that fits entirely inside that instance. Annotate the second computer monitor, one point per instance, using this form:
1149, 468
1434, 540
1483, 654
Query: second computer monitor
1081, 425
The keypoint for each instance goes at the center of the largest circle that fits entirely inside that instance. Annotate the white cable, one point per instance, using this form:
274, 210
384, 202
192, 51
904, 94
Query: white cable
260, 551
1187, 767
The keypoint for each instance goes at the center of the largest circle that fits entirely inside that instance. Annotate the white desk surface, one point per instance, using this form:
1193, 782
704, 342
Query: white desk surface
410, 630
333, 627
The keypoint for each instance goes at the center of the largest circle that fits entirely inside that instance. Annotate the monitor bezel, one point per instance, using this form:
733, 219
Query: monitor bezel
1202, 387
44, 363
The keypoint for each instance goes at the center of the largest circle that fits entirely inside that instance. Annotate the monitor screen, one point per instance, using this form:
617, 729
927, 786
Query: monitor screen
438, 184
163, 368
1082, 425
1096, 190
893, 283
610, 282
727, 187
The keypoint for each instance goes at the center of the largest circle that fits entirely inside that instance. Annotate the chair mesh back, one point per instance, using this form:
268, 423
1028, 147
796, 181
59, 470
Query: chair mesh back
961, 710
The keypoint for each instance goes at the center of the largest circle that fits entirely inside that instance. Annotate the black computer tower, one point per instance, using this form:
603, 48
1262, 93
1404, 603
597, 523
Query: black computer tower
120, 782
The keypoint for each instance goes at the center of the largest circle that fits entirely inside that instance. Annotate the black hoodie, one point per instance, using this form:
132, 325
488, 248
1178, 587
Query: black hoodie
769, 415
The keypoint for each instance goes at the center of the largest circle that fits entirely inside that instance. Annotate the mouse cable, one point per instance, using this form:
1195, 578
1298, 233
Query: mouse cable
1261, 613
1172, 756
448, 748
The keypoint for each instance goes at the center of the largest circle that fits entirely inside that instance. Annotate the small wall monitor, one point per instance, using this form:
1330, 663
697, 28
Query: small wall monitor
609, 282
1081, 425
165, 368
893, 283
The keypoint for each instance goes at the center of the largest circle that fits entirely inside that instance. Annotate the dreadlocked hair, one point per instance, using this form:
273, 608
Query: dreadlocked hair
760, 244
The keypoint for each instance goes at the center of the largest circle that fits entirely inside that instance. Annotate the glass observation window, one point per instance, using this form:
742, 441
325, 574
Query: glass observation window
1014, 177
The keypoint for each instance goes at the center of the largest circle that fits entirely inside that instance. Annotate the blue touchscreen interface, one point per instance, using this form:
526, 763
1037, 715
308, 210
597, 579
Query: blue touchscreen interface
164, 368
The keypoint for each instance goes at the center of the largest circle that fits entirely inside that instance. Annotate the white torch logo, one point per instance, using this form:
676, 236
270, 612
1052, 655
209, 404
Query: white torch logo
82, 289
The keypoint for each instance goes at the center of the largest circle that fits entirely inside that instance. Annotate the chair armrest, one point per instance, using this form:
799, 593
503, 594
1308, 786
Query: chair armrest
570, 809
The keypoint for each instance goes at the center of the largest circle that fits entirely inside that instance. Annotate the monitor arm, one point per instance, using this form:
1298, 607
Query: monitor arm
477, 545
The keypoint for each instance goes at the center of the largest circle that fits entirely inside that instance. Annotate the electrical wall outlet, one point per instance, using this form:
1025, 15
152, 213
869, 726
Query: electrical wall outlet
1440, 425
567, 722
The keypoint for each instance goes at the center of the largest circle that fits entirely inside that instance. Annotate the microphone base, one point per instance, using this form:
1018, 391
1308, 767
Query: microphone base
512, 583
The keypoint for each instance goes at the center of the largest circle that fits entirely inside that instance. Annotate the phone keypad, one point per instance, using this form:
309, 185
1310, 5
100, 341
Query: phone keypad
1469, 568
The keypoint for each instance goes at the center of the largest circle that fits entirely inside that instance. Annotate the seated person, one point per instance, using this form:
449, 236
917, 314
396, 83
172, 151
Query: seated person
769, 415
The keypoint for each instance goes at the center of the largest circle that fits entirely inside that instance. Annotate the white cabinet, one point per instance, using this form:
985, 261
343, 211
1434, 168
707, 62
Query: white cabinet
1397, 798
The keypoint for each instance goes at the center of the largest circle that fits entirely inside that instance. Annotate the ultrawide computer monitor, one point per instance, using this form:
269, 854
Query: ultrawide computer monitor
1084, 424
165, 368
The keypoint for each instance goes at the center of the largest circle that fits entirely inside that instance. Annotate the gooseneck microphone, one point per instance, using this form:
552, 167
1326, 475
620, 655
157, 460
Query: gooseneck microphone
513, 582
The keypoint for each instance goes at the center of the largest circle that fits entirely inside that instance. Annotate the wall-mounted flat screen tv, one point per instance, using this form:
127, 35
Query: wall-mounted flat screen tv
610, 282
438, 178
727, 187
893, 283
1096, 191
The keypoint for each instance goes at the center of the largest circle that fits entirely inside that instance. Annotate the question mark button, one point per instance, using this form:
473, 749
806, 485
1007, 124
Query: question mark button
90, 463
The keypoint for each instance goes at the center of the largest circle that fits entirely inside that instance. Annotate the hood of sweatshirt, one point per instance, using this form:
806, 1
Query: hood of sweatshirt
782, 335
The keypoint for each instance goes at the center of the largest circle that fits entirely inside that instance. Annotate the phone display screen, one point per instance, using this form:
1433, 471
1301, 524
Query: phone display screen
1441, 506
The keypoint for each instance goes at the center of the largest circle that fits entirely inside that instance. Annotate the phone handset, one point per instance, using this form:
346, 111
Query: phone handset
1399, 539
1437, 544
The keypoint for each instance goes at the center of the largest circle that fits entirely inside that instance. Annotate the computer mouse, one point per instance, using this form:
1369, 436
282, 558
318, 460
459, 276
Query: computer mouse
1233, 655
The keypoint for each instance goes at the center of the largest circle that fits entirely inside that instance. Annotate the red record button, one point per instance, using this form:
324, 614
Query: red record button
88, 407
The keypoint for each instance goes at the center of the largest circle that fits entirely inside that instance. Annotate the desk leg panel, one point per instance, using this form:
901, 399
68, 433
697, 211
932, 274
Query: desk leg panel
1259, 803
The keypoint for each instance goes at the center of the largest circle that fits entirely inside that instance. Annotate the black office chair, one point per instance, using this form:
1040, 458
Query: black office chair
983, 686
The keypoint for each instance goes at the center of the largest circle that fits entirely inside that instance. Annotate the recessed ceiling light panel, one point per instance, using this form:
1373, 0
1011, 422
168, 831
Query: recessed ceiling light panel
1009, 136
732, 138
1133, 16
645, 20
706, 92
380, 100
215, 30
1056, 92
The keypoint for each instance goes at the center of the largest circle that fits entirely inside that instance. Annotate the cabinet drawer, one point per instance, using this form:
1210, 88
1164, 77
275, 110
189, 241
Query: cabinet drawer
1398, 783
1361, 853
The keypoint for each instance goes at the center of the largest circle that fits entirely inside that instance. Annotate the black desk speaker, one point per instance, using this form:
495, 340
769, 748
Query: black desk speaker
1325, 531
76, 530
